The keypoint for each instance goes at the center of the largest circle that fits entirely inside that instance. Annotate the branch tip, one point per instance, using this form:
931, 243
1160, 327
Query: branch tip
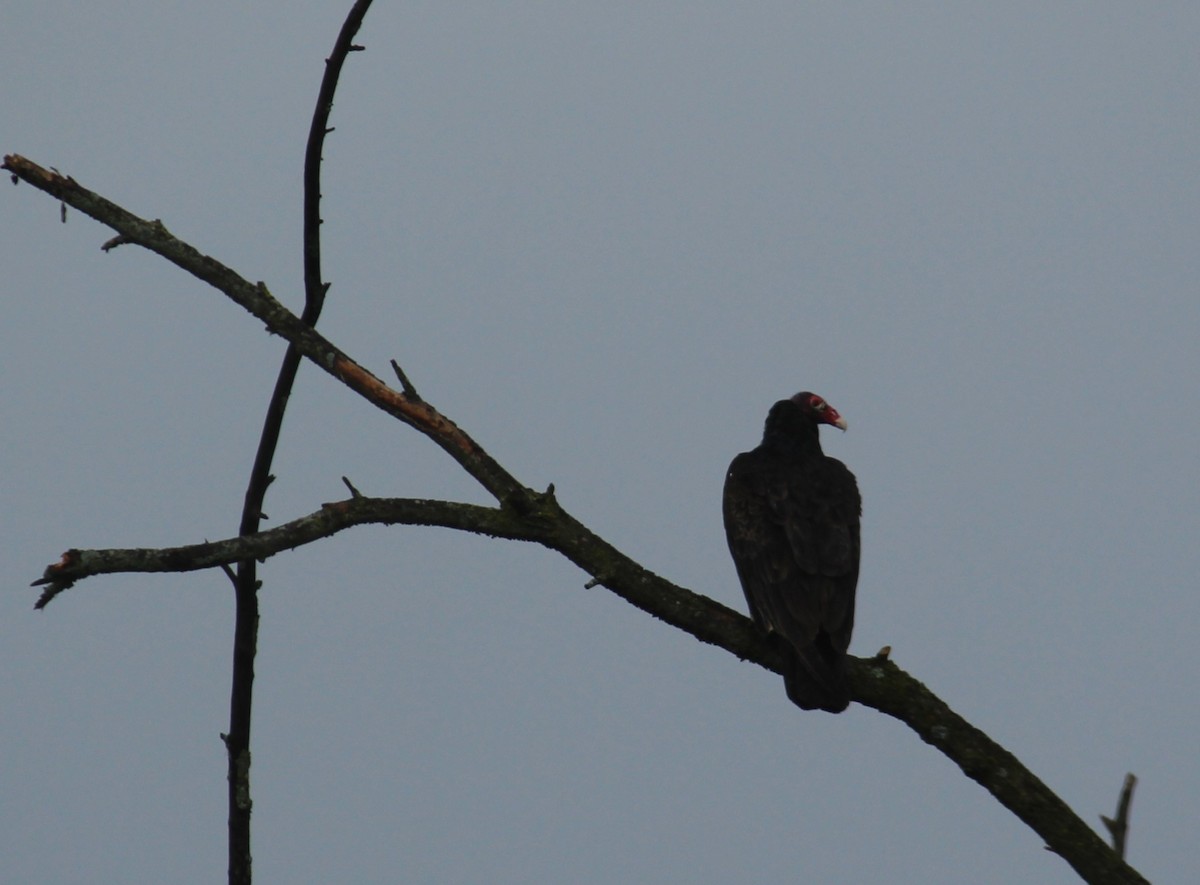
49, 593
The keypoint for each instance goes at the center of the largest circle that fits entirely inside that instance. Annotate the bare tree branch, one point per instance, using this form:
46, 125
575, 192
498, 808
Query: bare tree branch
875, 682
880, 684
527, 515
75, 565
246, 582
257, 300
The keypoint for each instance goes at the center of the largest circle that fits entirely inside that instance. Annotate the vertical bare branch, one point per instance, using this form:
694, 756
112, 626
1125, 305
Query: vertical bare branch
246, 584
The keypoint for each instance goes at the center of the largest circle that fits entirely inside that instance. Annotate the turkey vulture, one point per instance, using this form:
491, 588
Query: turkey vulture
792, 522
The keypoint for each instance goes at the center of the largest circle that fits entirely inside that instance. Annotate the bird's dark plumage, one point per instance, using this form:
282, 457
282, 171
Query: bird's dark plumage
792, 522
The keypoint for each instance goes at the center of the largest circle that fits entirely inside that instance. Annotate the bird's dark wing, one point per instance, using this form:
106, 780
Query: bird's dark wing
793, 532
820, 515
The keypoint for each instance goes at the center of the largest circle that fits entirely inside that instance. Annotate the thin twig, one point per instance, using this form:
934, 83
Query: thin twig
1118, 827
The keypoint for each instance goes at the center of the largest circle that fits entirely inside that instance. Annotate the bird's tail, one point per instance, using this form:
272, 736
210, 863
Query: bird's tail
815, 677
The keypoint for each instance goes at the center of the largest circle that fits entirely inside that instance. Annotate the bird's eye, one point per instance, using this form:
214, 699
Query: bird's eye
817, 404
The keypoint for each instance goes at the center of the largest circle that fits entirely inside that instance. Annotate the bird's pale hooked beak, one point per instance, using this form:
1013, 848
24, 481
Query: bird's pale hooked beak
829, 415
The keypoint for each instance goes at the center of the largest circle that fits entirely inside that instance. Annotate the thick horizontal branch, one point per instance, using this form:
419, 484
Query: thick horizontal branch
255, 298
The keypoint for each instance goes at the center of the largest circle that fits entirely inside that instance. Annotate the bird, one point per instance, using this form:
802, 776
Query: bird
792, 518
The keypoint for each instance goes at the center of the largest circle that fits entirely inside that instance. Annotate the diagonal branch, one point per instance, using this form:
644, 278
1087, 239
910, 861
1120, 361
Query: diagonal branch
531, 516
881, 684
257, 300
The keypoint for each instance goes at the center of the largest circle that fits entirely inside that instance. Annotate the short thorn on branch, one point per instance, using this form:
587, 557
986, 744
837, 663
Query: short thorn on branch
409, 390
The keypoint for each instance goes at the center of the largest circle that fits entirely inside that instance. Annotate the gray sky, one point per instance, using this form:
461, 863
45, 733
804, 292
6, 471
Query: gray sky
604, 239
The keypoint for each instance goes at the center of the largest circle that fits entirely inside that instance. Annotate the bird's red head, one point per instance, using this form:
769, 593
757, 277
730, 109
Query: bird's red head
821, 411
